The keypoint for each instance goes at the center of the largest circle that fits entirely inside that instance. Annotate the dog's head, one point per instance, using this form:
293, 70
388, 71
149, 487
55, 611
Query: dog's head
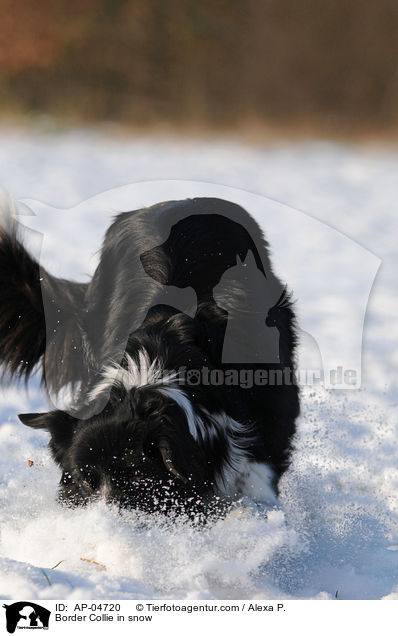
137, 453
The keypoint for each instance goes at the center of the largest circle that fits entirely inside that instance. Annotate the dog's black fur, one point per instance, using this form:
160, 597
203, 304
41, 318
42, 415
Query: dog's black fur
155, 445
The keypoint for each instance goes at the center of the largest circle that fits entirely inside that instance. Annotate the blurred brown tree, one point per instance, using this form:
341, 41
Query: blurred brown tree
210, 61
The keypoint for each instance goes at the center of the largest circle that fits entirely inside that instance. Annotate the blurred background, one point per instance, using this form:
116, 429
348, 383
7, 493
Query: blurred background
315, 66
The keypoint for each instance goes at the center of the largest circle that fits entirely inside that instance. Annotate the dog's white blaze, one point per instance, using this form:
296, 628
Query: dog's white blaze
138, 374
183, 401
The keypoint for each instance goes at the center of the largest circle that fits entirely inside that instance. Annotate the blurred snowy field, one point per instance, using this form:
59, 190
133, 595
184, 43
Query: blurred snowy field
336, 528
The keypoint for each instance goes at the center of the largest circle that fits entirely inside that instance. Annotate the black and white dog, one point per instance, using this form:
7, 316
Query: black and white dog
163, 417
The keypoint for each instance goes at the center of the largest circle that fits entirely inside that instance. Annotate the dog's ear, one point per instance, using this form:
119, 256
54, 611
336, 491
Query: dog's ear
35, 420
59, 424
47, 421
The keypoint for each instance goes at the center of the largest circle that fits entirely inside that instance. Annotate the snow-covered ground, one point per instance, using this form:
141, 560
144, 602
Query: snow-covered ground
335, 530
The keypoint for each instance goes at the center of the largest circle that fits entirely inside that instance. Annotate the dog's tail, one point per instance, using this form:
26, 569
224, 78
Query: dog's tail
40, 315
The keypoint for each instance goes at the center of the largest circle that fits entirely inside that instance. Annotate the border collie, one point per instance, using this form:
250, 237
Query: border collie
160, 420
